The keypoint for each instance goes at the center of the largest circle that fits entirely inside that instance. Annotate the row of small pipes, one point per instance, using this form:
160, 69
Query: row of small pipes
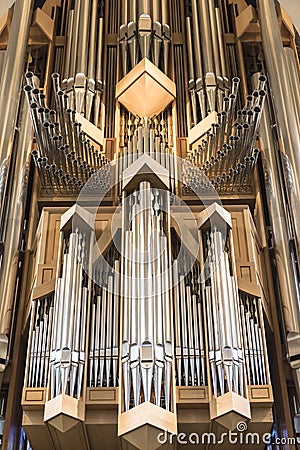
104, 329
144, 33
145, 140
65, 158
162, 125
235, 132
207, 65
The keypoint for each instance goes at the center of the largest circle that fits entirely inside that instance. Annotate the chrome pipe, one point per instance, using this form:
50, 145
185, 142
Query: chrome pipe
143, 7
93, 334
287, 282
132, 11
75, 36
196, 40
206, 39
92, 40
156, 11
83, 32
192, 85
123, 47
166, 46
211, 343
157, 41
293, 78
185, 352
14, 221
99, 83
9, 93
177, 324
165, 12
158, 311
67, 58
215, 38
109, 330
2, 62
48, 345
222, 52
283, 103
124, 12
115, 340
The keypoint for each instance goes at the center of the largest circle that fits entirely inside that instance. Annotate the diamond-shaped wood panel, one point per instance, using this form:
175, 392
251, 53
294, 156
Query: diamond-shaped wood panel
145, 90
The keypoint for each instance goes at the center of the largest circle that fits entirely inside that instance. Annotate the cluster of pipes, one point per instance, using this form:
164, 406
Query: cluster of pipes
83, 59
146, 140
147, 351
189, 336
253, 334
72, 293
66, 158
224, 332
226, 154
207, 65
104, 328
161, 123
144, 33
40, 345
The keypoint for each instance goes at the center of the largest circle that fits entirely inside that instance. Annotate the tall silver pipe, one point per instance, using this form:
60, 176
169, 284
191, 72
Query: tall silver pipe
221, 43
75, 32
197, 45
132, 11
208, 60
283, 103
156, 11
2, 62
124, 12
143, 7
215, 40
11, 81
83, 37
14, 223
287, 281
294, 78
67, 72
92, 43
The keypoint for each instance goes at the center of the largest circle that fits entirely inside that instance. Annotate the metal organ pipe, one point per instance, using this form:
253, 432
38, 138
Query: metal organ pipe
147, 301
224, 326
74, 38
287, 116
132, 10
69, 324
10, 87
14, 221
208, 60
293, 77
83, 40
214, 36
286, 275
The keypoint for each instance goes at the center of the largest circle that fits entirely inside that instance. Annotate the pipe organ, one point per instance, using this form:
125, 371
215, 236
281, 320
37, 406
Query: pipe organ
148, 224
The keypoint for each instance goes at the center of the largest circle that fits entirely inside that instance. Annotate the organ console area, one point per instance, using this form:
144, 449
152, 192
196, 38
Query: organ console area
152, 233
